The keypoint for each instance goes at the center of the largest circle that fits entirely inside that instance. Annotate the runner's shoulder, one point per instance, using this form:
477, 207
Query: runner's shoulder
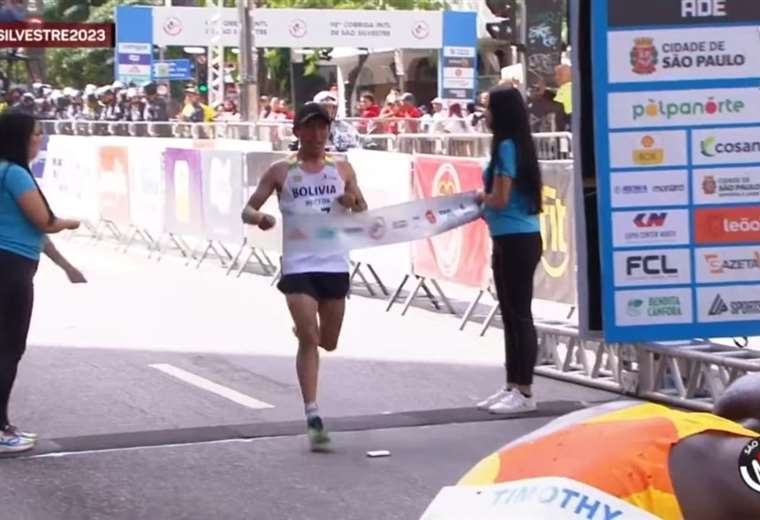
278, 170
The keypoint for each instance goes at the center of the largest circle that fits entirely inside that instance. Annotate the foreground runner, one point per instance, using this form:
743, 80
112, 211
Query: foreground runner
671, 464
315, 286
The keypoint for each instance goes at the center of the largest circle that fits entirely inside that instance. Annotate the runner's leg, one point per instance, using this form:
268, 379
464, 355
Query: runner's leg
303, 308
331, 314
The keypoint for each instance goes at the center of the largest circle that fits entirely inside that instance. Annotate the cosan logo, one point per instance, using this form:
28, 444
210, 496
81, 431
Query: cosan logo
668, 110
648, 220
711, 147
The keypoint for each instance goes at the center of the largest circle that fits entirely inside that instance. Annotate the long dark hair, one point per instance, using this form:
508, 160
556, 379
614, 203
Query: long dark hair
509, 120
16, 130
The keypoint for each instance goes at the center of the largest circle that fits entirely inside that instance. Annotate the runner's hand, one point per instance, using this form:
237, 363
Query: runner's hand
347, 200
266, 222
480, 197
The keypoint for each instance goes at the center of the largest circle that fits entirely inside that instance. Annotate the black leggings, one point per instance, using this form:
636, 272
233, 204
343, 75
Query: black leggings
515, 258
16, 302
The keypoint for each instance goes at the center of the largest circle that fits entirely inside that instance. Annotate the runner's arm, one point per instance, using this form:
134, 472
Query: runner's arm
355, 199
266, 186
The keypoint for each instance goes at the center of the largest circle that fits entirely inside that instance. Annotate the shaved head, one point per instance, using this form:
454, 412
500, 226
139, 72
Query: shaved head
741, 402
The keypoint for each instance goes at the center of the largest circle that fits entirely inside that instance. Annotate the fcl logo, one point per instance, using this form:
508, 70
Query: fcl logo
553, 233
644, 56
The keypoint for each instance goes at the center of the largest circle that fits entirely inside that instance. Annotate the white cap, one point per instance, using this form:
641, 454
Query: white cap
326, 98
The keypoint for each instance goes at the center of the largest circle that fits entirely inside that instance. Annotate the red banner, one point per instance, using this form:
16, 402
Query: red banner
460, 256
114, 184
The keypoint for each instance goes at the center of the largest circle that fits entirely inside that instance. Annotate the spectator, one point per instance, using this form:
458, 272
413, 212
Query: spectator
25, 105
546, 115
229, 112
439, 116
409, 111
155, 106
342, 135
563, 75
456, 123
368, 109
193, 111
265, 107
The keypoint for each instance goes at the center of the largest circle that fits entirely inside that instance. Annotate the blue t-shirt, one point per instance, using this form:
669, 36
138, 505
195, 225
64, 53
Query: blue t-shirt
17, 234
515, 218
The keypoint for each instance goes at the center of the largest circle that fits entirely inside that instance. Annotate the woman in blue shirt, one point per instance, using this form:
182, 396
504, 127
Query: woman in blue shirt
25, 221
512, 203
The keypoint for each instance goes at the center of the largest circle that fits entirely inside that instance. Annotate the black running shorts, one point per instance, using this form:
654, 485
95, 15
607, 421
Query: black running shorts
320, 286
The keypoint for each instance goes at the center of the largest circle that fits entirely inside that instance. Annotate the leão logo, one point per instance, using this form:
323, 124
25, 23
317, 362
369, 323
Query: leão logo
672, 109
644, 56
649, 155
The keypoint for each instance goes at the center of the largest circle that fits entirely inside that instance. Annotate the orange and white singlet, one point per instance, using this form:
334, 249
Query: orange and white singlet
624, 453
305, 193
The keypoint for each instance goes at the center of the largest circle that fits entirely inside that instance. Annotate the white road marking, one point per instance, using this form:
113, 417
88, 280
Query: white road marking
210, 386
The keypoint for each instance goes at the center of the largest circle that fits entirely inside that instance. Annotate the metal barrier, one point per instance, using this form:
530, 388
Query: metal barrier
549, 146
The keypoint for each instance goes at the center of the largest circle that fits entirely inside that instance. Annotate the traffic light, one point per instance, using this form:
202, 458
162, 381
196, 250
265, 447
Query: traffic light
203, 88
506, 29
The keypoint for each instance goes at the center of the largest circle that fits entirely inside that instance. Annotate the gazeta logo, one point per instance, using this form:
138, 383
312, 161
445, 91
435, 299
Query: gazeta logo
676, 109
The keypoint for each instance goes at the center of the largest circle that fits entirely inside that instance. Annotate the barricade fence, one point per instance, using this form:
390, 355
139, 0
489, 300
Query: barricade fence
370, 134
187, 195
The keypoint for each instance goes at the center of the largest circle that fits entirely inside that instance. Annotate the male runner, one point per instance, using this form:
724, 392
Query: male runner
315, 285
672, 464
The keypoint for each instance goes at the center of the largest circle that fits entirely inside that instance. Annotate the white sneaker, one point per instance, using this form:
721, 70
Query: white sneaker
10, 443
515, 402
489, 401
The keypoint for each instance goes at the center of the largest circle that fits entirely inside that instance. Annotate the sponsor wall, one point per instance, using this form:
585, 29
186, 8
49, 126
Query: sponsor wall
678, 158
163, 186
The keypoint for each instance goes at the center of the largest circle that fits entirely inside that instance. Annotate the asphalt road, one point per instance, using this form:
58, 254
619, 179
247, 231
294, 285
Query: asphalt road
165, 392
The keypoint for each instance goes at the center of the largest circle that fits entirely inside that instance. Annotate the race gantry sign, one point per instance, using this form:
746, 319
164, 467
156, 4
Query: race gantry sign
677, 119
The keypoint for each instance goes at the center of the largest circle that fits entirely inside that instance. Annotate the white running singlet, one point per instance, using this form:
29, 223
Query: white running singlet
305, 193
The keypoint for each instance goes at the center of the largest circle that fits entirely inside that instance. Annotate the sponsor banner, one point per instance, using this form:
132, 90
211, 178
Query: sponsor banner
546, 498
729, 303
222, 195
683, 107
385, 179
147, 185
305, 28
416, 220
650, 227
183, 194
461, 255
256, 165
70, 178
727, 264
727, 186
648, 149
726, 146
37, 164
675, 54
133, 62
301, 28
623, 13
555, 278
727, 225
113, 186
653, 307
661, 188
653, 267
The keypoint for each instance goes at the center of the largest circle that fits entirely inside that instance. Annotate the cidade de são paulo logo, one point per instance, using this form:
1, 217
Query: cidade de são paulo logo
645, 56
709, 106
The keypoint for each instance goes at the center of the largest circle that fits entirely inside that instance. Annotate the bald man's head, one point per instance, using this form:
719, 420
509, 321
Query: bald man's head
563, 74
741, 402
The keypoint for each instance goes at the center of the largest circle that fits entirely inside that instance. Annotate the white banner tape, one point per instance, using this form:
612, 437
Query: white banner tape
417, 220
